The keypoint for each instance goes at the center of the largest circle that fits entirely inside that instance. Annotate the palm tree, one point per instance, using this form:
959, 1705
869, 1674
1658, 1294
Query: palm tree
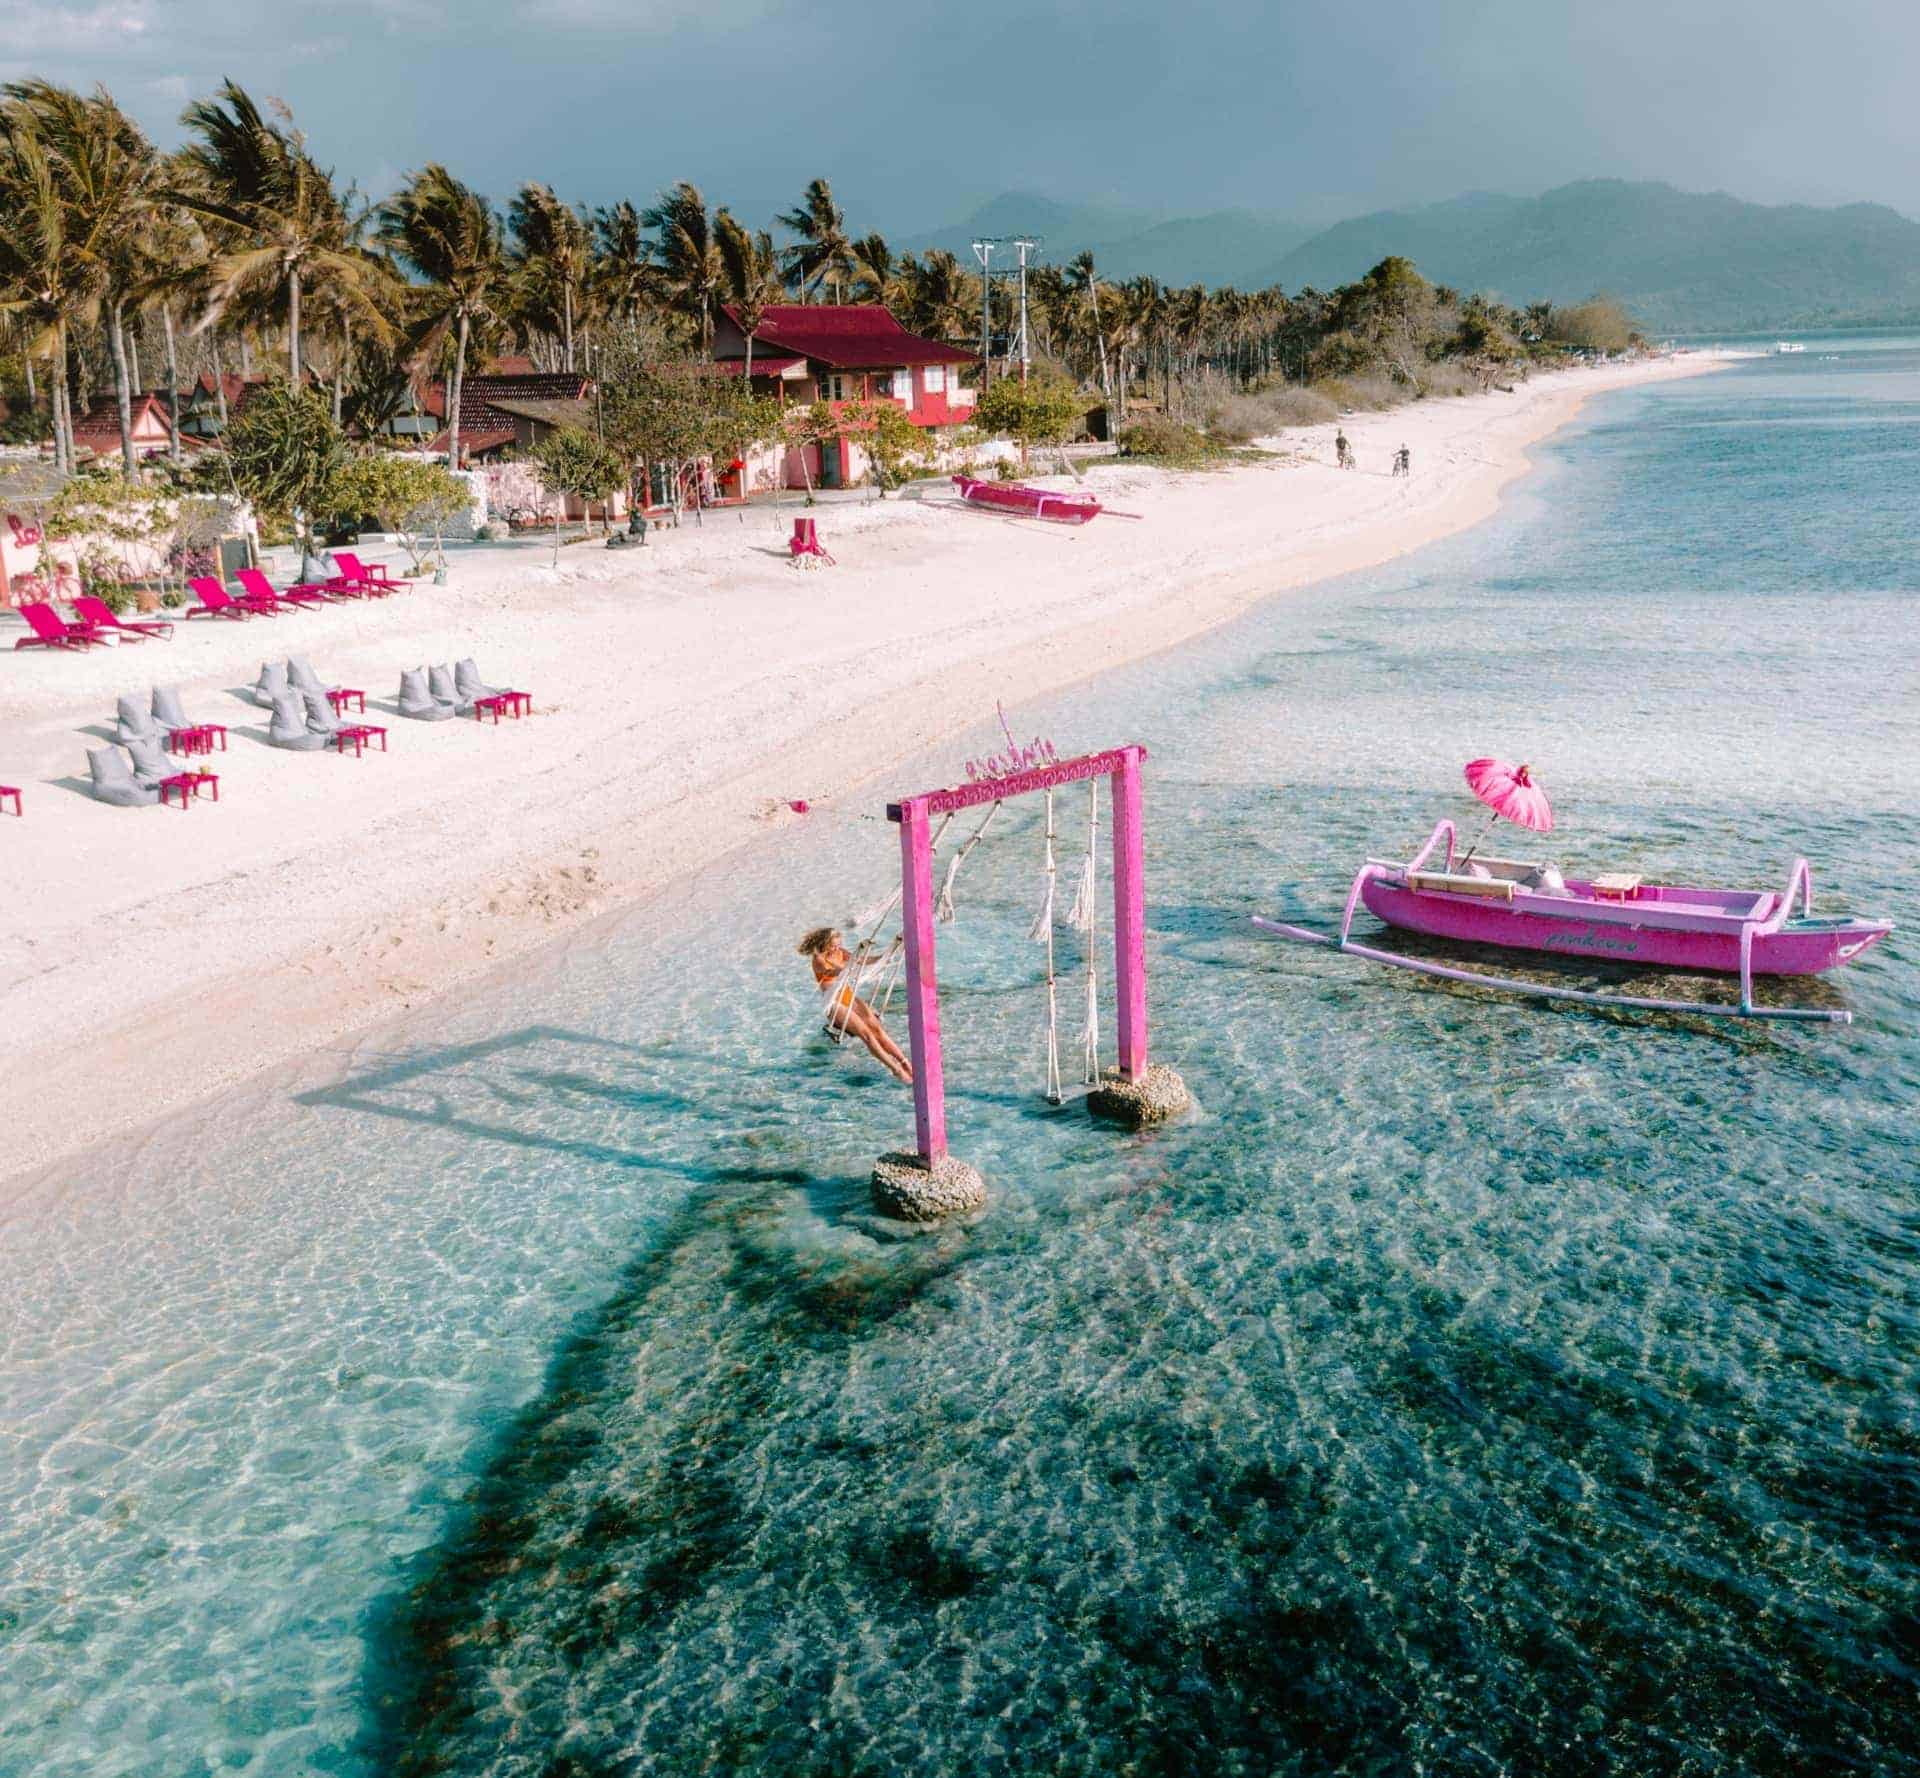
448, 236
753, 277
942, 296
688, 253
875, 271
552, 250
104, 169
1081, 269
280, 226
823, 253
45, 281
623, 270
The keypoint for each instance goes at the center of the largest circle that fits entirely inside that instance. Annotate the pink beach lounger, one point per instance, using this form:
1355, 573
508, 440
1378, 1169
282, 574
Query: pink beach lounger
216, 601
51, 630
255, 586
356, 576
95, 613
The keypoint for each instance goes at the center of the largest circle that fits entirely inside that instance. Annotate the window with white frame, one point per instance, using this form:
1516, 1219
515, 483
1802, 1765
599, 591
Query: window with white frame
936, 379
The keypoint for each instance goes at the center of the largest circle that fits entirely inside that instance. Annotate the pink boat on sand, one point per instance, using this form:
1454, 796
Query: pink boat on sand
1614, 917
1030, 503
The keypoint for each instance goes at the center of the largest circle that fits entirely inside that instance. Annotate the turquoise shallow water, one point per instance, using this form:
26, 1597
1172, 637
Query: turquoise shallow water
1468, 1388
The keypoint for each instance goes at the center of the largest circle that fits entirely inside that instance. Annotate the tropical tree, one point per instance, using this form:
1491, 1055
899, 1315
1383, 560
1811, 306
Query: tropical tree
280, 229
687, 250
407, 496
941, 297
448, 236
552, 254
891, 440
284, 452
752, 270
1043, 410
876, 274
104, 170
823, 254
576, 464
47, 281
624, 275
676, 415
1082, 273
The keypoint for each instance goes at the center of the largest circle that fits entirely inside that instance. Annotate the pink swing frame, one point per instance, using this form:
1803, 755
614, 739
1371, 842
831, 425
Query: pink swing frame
915, 816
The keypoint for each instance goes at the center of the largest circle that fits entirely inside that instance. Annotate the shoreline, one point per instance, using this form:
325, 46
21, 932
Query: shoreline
325, 897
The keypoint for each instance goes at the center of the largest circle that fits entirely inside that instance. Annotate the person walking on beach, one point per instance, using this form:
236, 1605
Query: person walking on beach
1403, 461
846, 1013
1342, 451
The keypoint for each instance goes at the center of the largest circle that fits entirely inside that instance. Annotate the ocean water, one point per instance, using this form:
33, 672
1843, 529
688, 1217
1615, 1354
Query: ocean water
1466, 1388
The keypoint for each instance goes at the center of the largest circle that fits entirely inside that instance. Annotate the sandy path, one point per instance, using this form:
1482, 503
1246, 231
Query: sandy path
678, 694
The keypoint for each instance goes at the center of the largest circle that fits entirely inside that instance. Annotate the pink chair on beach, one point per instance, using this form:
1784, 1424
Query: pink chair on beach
805, 547
51, 630
216, 601
256, 588
356, 576
7, 790
96, 613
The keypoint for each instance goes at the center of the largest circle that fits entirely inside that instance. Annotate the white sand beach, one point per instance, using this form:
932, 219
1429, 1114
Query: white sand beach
682, 695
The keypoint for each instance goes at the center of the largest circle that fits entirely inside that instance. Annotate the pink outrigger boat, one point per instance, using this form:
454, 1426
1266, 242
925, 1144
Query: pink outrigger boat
1030, 503
1615, 918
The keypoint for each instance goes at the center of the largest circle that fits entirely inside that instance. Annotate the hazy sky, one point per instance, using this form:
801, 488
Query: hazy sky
1314, 108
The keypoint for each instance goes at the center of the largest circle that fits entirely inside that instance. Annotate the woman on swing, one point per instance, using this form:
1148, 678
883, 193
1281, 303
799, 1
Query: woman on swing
846, 1013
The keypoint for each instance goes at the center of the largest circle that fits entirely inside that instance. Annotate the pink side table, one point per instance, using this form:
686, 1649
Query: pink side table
343, 695
189, 784
359, 734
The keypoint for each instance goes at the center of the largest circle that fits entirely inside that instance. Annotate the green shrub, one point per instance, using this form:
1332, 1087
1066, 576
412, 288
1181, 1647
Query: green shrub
1167, 440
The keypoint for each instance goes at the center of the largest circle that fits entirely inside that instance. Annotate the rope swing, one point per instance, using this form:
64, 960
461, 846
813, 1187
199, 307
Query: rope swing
1042, 931
1081, 919
943, 908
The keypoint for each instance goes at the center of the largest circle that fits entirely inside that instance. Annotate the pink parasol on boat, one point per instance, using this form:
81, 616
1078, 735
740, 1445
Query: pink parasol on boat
1509, 791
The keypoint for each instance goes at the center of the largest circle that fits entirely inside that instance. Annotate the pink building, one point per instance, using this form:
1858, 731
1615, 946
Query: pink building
808, 352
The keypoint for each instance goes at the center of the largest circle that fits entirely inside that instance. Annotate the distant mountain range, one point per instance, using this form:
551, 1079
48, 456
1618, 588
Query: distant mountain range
1683, 262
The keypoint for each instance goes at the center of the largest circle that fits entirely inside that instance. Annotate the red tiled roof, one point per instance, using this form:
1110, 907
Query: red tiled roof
478, 393
100, 424
472, 444
764, 364
848, 336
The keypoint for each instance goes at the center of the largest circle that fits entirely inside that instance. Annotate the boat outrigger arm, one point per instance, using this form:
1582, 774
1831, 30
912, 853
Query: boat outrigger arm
1799, 884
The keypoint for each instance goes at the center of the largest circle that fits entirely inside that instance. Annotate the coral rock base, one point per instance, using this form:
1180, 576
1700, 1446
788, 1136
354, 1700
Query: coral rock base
1157, 1095
904, 1186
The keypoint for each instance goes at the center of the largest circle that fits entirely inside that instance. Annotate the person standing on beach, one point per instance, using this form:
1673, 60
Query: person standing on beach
847, 1015
1342, 451
1403, 461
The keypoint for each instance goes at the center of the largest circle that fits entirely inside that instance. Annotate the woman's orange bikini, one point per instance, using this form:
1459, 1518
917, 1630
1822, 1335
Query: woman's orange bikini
846, 1013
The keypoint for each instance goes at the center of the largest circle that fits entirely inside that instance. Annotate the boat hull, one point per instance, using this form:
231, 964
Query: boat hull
1610, 932
1029, 503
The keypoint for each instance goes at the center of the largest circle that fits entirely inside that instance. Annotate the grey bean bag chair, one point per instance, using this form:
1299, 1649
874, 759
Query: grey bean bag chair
271, 686
114, 783
289, 726
416, 701
469, 685
440, 683
150, 761
301, 676
320, 716
135, 723
167, 710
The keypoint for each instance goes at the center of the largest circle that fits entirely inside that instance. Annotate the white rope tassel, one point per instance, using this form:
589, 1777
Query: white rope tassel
943, 908
1084, 913
1042, 929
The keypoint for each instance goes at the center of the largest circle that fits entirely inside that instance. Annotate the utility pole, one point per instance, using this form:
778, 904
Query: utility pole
983, 251
1023, 245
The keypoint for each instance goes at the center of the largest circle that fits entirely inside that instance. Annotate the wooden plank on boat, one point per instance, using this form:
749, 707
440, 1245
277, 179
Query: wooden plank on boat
1489, 888
1616, 885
